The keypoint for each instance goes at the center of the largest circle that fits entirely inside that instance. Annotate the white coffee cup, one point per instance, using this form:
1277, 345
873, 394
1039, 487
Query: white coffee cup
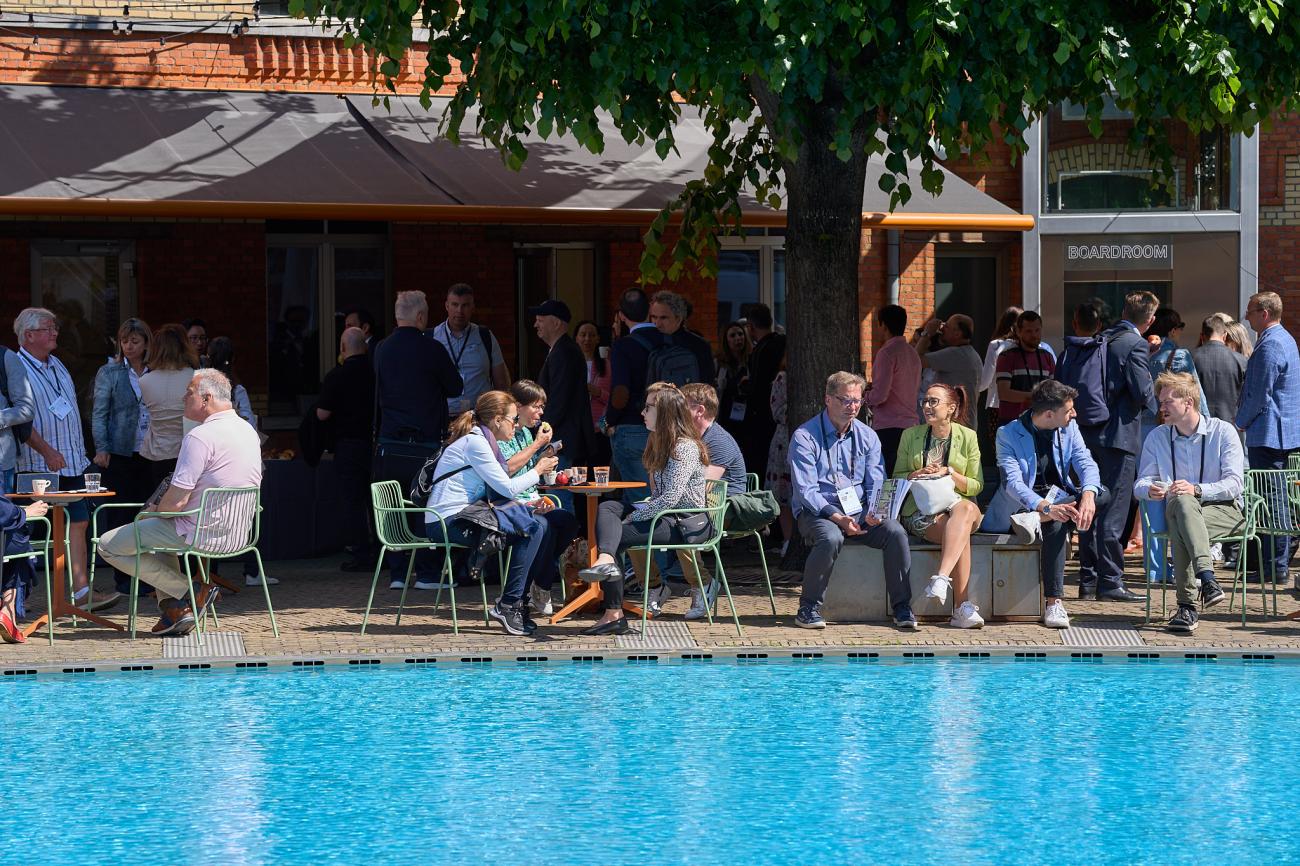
548, 478
40, 485
603, 351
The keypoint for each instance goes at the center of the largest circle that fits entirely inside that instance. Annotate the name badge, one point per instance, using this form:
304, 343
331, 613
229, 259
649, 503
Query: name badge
850, 504
737, 411
61, 408
1056, 495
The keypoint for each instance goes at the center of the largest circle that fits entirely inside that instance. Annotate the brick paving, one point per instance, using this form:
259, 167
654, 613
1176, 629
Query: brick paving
320, 608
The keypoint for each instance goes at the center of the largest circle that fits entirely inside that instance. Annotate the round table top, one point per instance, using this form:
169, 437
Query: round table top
592, 488
57, 496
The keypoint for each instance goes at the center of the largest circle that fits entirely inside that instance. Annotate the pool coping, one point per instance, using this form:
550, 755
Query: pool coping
670, 656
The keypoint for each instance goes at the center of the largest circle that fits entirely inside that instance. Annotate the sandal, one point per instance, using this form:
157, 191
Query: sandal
9, 631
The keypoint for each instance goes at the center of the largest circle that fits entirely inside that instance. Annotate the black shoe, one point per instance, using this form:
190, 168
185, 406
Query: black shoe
510, 618
1087, 594
529, 625
617, 626
1184, 621
1211, 592
1120, 594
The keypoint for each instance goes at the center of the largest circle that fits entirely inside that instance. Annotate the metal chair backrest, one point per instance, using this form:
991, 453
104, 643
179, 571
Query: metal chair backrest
390, 521
752, 483
229, 521
1279, 496
715, 505
1293, 460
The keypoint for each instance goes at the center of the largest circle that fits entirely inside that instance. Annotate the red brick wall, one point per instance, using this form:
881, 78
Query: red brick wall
15, 285
1279, 233
625, 272
991, 171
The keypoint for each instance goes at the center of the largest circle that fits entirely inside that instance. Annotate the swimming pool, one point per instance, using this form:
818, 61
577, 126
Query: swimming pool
938, 761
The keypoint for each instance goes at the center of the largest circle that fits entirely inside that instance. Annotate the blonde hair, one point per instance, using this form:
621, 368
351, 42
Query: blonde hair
1183, 385
837, 382
1238, 339
491, 406
672, 424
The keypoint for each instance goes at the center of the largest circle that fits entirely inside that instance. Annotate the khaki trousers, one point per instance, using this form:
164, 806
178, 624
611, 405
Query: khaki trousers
162, 570
695, 573
1191, 526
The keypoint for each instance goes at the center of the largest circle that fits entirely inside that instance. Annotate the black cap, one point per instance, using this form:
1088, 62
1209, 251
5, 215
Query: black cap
558, 309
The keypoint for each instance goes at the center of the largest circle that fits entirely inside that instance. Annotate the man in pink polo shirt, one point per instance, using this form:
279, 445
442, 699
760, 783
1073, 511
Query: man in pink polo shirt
896, 380
223, 451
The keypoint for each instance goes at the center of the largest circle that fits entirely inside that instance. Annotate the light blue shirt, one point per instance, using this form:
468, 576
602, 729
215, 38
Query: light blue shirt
1211, 457
451, 496
471, 359
822, 462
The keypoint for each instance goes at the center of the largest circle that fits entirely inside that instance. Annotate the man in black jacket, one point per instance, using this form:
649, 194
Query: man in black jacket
764, 364
1115, 446
564, 379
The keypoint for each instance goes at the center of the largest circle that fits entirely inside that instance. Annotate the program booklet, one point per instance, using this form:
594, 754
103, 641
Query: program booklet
890, 498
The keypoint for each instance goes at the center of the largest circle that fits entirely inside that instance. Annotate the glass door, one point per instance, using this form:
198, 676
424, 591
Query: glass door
90, 287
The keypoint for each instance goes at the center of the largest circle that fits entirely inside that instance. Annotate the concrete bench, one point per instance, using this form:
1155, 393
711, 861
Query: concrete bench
1004, 582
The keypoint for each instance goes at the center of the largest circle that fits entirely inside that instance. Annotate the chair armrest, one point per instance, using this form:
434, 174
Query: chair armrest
94, 515
144, 514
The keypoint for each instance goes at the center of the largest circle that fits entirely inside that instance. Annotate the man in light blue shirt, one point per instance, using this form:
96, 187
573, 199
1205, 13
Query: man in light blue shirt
474, 350
836, 473
1194, 465
1269, 400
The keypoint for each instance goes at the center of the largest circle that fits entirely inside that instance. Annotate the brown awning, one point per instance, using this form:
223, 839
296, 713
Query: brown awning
80, 151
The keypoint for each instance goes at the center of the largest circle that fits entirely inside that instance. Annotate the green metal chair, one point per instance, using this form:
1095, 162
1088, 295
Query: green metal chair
1278, 513
41, 547
715, 500
1250, 507
395, 534
229, 523
752, 484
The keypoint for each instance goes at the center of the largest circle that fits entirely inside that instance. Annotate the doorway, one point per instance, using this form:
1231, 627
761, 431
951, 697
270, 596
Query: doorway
90, 287
565, 272
968, 283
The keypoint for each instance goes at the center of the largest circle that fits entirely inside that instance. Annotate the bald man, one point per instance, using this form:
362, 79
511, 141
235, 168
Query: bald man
347, 403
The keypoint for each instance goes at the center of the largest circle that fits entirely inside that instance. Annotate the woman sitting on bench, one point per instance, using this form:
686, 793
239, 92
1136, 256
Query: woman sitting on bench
944, 455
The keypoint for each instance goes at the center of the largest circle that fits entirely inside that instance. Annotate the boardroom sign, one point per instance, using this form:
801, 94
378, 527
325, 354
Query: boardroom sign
1123, 253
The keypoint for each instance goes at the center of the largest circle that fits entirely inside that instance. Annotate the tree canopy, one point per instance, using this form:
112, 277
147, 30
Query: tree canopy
782, 84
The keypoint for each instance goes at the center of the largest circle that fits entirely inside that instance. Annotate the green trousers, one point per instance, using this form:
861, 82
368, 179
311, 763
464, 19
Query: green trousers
1192, 524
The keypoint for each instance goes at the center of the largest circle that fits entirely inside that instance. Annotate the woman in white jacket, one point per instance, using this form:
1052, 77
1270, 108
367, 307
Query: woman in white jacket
480, 472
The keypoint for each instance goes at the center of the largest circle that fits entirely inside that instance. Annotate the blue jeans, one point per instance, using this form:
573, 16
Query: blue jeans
561, 529
628, 444
524, 550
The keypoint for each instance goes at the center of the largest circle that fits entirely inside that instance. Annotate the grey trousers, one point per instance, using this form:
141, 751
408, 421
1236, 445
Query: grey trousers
825, 540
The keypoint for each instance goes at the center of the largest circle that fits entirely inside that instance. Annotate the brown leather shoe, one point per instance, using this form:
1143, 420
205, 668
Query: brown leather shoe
177, 620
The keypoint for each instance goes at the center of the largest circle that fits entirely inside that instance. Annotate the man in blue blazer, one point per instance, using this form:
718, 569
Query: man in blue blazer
1037, 454
1269, 411
1115, 446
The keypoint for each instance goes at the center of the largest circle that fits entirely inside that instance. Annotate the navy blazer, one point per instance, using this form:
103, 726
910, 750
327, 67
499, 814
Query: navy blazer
1129, 388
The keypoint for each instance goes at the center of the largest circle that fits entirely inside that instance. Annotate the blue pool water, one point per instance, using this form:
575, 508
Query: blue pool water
942, 761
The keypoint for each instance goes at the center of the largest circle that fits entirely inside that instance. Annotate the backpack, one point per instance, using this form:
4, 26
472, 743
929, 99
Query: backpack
22, 432
669, 362
1083, 368
424, 481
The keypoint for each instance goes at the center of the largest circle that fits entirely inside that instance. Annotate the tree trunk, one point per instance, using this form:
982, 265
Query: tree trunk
823, 245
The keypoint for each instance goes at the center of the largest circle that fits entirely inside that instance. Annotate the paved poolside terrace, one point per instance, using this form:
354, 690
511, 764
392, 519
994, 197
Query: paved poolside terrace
319, 610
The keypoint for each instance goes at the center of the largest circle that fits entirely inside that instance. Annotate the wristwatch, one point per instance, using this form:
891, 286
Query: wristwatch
1196, 489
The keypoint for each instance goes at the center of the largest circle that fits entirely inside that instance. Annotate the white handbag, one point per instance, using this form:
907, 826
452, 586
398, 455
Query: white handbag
934, 495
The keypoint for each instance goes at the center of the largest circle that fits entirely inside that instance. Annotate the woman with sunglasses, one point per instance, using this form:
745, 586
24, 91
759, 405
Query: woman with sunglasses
945, 448
475, 470
675, 459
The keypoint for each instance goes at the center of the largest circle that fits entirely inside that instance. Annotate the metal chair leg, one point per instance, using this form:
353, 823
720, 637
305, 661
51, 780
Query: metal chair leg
373, 584
266, 590
767, 578
406, 584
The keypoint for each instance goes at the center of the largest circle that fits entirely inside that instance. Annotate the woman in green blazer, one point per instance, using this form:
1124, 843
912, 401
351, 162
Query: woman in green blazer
943, 446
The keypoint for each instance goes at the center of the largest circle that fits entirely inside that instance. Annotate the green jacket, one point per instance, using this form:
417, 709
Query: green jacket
964, 456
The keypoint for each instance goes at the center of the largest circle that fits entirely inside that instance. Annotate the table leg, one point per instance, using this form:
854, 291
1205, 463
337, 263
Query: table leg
593, 593
60, 580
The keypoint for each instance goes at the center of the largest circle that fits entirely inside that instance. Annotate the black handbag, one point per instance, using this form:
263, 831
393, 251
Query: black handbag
693, 528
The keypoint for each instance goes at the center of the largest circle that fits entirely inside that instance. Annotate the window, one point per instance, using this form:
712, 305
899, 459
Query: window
751, 270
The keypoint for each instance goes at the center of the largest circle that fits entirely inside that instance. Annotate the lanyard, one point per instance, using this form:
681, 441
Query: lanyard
45, 375
1173, 459
464, 344
947, 448
853, 451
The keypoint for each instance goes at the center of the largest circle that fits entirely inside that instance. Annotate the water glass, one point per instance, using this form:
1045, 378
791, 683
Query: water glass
92, 482
579, 474
602, 475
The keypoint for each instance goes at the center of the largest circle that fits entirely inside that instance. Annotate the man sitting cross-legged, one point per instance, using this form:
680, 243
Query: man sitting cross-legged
1194, 464
223, 451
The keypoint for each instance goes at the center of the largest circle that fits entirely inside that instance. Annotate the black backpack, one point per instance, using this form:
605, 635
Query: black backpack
22, 432
669, 362
424, 481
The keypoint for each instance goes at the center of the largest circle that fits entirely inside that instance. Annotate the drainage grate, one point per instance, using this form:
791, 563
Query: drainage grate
658, 635
1101, 634
216, 644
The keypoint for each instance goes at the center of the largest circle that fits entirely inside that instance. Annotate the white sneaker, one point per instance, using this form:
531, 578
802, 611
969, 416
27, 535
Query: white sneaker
966, 615
699, 607
658, 595
395, 584
1216, 552
1056, 617
425, 584
938, 587
541, 600
254, 580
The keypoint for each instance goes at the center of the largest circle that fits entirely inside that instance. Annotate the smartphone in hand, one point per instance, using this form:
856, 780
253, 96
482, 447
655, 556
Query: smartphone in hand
553, 448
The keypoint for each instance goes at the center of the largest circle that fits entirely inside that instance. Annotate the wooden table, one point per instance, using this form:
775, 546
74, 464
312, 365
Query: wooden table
58, 603
593, 593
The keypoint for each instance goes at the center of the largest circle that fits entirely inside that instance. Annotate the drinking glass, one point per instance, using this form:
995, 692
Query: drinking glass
602, 475
92, 482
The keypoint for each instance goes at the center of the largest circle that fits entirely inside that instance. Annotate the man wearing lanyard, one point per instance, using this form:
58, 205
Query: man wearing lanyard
836, 473
57, 444
473, 349
1194, 465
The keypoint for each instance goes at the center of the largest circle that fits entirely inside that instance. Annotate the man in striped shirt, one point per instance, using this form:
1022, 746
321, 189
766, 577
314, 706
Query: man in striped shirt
57, 443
